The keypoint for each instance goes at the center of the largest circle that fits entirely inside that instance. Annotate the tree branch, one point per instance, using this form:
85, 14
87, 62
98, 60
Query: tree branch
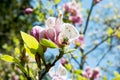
88, 18
48, 66
97, 45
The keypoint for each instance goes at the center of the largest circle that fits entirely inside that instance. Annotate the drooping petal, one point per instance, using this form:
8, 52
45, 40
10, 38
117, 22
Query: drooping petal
69, 31
51, 72
62, 71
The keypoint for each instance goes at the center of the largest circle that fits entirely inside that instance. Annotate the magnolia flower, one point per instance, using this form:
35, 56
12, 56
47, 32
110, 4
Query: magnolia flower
76, 19
38, 32
59, 32
72, 7
28, 10
59, 74
92, 74
80, 41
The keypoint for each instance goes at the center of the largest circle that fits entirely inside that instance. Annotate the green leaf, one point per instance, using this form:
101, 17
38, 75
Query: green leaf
104, 78
30, 41
110, 31
116, 73
68, 66
56, 1
7, 58
48, 43
79, 77
78, 71
70, 50
118, 33
29, 52
117, 76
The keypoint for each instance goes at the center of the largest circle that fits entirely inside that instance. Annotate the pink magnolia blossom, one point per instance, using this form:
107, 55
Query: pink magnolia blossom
28, 10
59, 32
38, 32
92, 74
71, 7
76, 19
80, 41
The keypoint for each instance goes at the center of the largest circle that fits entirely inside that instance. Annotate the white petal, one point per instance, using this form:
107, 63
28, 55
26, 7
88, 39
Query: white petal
62, 71
69, 31
51, 72
50, 22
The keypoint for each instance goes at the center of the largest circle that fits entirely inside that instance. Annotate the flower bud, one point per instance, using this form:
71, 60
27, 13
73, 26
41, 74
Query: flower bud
37, 32
63, 61
97, 1
80, 41
28, 10
96, 74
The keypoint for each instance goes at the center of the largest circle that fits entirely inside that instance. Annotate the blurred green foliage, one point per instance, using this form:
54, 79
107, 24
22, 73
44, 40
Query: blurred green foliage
12, 20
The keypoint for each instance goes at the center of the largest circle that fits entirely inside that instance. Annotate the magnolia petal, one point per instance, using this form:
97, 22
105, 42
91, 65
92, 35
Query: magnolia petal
69, 31
51, 72
50, 22
58, 23
62, 71
50, 33
37, 32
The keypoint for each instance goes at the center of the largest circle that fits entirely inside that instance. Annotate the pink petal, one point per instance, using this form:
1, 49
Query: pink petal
37, 32
50, 33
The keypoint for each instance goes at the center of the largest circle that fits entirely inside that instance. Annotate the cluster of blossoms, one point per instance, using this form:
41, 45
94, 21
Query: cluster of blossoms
92, 74
73, 8
56, 30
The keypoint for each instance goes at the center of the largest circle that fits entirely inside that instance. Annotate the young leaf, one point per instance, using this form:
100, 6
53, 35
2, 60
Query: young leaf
56, 1
29, 52
68, 66
110, 31
30, 41
78, 71
48, 43
104, 78
7, 58
70, 50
